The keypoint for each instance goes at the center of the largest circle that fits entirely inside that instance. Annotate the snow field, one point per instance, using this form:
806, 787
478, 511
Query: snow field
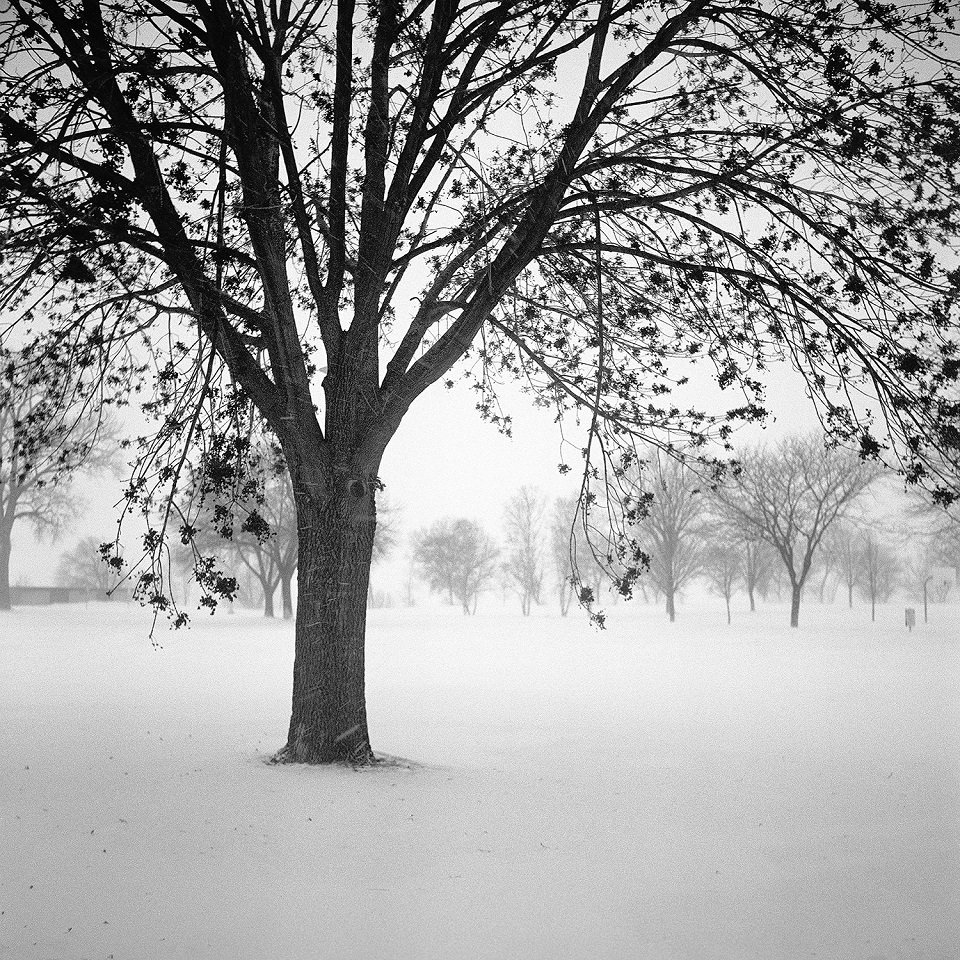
660, 792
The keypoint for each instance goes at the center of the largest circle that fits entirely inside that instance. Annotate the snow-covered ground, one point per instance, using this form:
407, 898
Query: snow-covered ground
657, 792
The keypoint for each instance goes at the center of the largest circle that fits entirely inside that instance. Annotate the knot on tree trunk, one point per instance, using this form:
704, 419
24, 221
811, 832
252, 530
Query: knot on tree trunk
355, 488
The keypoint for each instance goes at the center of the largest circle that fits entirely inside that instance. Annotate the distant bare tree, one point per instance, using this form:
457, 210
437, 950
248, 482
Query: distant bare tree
879, 569
266, 540
458, 558
670, 532
790, 495
570, 549
561, 522
590, 572
258, 560
721, 564
83, 565
755, 555
51, 427
935, 532
435, 557
775, 583
755, 566
388, 530
251, 522
825, 566
844, 542
920, 574
409, 597
385, 539
523, 521
279, 511
938, 528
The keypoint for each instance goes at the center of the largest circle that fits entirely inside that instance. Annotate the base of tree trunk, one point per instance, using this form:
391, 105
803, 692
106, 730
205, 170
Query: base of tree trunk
5, 600
384, 761
358, 758
795, 606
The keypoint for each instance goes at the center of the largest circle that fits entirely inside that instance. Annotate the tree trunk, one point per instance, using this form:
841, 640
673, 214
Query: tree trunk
286, 595
268, 592
4, 569
850, 595
796, 590
873, 608
671, 609
728, 611
753, 605
328, 722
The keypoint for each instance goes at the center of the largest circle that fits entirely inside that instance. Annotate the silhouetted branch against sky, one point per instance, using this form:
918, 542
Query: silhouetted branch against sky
365, 196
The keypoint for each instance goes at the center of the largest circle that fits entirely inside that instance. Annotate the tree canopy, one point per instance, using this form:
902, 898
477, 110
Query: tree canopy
389, 183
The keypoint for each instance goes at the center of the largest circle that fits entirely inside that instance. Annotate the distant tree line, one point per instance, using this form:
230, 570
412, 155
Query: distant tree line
791, 519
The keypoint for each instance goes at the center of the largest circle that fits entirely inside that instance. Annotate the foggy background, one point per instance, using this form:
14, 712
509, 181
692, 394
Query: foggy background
444, 461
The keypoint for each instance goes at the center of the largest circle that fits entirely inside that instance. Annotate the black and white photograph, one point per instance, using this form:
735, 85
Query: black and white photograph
479, 480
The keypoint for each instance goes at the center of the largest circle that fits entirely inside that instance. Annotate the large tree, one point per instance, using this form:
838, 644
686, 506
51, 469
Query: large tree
578, 194
790, 495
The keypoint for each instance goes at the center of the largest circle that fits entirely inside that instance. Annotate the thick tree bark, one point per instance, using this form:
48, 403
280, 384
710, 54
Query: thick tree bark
328, 722
753, 603
4, 569
796, 590
728, 611
671, 608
